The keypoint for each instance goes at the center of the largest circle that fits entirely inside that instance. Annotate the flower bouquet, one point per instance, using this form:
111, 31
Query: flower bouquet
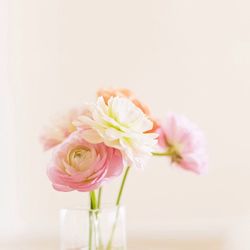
102, 140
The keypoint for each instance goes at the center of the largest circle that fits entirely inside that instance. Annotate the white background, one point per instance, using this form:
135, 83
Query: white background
191, 57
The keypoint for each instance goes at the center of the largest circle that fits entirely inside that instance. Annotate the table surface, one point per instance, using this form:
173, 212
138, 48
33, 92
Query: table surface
133, 244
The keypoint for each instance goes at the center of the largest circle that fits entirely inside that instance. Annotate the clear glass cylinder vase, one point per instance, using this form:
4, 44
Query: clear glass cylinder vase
87, 229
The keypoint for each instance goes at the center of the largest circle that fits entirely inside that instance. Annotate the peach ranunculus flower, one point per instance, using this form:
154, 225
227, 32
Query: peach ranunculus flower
184, 143
60, 128
79, 165
122, 92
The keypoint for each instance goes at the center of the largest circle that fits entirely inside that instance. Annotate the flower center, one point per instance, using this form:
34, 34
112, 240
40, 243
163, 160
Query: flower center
80, 158
174, 153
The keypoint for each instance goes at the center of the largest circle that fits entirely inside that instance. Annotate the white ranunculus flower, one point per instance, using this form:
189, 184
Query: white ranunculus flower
122, 125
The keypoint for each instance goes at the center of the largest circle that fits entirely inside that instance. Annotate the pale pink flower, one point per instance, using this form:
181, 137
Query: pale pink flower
61, 128
79, 165
184, 143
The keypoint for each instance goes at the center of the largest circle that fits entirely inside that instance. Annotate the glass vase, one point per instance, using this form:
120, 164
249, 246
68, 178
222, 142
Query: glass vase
87, 229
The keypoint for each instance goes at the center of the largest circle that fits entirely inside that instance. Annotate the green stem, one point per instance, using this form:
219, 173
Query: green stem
99, 198
93, 204
90, 222
118, 201
161, 154
90, 232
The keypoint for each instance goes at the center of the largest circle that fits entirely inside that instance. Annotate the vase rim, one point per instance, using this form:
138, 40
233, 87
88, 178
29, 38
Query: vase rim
104, 207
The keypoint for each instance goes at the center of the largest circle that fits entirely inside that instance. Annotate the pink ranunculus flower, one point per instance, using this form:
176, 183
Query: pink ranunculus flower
61, 128
79, 165
184, 143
